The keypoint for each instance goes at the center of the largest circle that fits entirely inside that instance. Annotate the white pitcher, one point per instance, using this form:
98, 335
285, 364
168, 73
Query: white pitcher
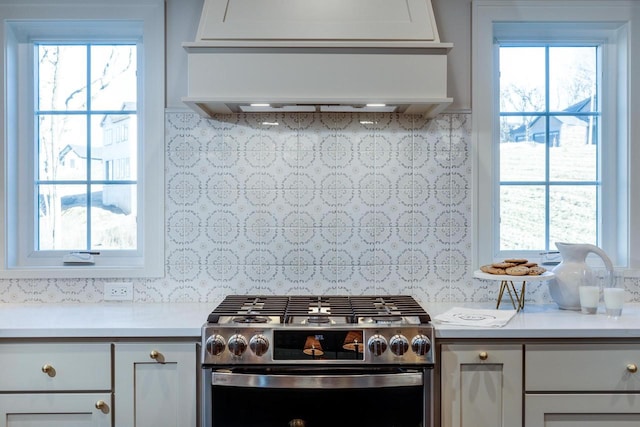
573, 271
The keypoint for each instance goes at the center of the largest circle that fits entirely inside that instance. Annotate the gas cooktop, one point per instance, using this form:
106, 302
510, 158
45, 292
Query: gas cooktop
267, 329
318, 310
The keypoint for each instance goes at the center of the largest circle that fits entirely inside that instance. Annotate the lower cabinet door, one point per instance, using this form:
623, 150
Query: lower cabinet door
55, 410
583, 410
155, 384
481, 386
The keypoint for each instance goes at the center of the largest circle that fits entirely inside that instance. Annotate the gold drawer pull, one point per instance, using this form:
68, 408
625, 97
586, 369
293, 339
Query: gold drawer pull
102, 406
49, 370
157, 356
632, 367
483, 355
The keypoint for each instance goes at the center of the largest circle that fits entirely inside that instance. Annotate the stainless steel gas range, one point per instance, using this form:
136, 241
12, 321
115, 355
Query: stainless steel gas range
318, 361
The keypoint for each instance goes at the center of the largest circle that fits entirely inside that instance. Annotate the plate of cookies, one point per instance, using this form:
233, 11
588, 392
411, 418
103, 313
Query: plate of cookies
512, 268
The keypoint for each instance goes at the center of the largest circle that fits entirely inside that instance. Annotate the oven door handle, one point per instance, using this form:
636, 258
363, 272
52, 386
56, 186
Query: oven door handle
310, 381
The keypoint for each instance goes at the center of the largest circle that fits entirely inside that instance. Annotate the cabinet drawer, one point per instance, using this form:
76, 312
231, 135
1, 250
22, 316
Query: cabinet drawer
582, 367
55, 366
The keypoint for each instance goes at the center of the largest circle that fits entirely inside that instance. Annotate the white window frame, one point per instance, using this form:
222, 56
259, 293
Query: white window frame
21, 22
615, 23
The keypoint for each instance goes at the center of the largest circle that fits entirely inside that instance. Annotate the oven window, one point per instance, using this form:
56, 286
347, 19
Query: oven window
318, 345
258, 407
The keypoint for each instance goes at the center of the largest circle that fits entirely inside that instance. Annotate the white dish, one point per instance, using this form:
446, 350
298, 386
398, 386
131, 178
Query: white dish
547, 275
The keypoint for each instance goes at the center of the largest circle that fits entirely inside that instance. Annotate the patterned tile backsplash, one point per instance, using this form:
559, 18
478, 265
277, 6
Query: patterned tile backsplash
319, 204
325, 203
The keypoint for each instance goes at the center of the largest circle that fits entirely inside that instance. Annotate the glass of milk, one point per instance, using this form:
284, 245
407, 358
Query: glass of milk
614, 300
589, 298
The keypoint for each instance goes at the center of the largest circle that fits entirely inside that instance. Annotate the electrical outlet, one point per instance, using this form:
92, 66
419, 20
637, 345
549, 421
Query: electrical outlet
118, 291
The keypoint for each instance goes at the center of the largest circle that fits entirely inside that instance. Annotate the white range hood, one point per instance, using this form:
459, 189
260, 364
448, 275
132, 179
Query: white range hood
317, 55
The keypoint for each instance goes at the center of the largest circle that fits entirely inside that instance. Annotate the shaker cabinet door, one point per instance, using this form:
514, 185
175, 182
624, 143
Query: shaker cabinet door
584, 410
55, 410
481, 386
155, 384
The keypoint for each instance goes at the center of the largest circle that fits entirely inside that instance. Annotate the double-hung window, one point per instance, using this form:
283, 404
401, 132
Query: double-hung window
553, 105
82, 194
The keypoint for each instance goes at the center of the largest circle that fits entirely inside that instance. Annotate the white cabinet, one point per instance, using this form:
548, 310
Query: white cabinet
584, 410
55, 410
155, 384
481, 385
55, 384
582, 384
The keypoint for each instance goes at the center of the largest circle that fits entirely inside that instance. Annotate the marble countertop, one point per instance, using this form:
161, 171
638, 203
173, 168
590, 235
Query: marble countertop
91, 320
548, 321
184, 320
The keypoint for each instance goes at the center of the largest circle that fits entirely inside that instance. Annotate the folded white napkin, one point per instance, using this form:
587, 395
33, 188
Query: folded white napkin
484, 318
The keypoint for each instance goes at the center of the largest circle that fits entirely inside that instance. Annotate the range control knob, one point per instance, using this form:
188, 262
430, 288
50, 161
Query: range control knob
399, 344
259, 344
237, 344
377, 344
215, 345
421, 344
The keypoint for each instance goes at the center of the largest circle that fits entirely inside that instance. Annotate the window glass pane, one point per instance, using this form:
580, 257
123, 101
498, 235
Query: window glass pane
572, 77
573, 154
572, 212
118, 133
114, 217
555, 146
70, 150
62, 83
113, 77
62, 217
522, 217
522, 153
62, 148
522, 79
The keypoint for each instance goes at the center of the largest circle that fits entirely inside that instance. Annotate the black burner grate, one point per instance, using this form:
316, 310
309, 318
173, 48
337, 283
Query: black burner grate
250, 306
388, 307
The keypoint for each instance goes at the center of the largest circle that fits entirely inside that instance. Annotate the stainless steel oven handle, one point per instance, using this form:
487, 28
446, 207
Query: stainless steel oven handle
231, 379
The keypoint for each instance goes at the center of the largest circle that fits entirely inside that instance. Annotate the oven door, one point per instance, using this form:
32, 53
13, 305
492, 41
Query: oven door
320, 397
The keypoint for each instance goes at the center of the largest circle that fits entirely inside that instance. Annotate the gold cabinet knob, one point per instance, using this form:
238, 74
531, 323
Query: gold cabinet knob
157, 356
632, 367
102, 406
49, 370
483, 355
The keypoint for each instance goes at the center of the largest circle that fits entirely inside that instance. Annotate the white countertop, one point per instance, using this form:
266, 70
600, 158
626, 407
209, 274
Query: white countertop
547, 321
127, 319
174, 320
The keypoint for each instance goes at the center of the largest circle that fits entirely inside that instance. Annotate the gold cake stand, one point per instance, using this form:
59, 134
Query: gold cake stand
507, 284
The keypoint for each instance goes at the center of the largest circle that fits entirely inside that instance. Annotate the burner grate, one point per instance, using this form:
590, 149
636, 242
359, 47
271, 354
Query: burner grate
388, 307
247, 308
318, 309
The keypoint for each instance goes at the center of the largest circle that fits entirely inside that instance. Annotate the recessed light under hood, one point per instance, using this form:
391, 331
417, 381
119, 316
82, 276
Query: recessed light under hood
324, 55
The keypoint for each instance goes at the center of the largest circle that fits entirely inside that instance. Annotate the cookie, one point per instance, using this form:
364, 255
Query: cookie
536, 271
495, 270
485, 268
503, 264
517, 260
518, 270
530, 264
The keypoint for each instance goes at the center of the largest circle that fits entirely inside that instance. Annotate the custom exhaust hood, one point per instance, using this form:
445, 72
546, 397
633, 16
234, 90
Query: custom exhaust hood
317, 55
